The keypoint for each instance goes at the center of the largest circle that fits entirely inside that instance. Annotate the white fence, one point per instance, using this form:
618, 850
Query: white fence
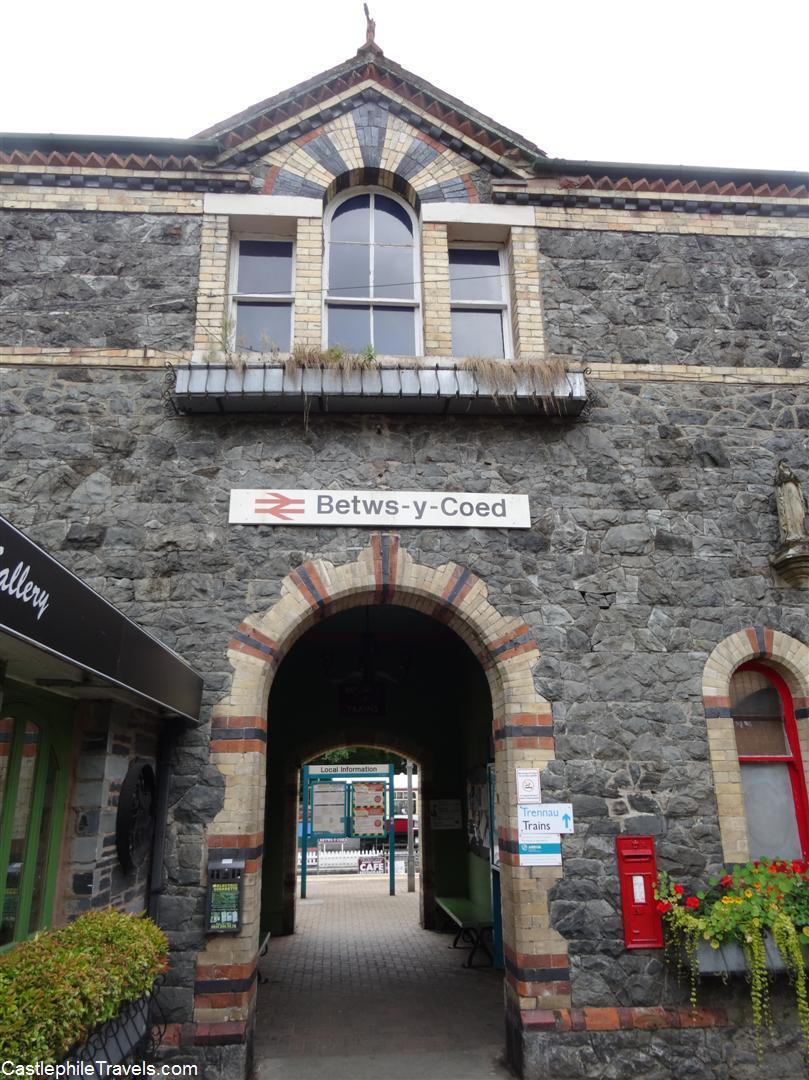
352, 861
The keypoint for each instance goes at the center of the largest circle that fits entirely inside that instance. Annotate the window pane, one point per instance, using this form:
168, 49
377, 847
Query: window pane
395, 331
772, 829
262, 327
19, 832
265, 266
755, 705
349, 327
350, 270
393, 272
44, 846
352, 220
6, 734
477, 333
392, 224
760, 737
475, 275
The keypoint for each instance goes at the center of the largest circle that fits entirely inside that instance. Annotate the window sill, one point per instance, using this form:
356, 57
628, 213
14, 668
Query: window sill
437, 387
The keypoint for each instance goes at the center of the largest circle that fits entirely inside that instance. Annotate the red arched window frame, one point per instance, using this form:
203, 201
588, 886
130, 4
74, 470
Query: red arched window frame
793, 759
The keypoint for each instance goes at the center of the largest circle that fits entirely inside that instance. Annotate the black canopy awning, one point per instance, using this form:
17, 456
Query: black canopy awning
73, 640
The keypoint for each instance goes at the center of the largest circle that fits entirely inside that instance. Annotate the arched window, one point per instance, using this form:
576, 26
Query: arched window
773, 783
372, 294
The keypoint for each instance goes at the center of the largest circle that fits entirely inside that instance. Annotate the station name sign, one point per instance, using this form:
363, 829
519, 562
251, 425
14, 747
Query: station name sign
444, 509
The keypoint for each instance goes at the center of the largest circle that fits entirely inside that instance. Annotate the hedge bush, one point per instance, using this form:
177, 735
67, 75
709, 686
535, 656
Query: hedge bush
58, 986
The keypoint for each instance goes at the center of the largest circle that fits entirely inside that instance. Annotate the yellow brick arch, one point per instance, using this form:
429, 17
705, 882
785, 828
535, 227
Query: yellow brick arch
384, 573
790, 658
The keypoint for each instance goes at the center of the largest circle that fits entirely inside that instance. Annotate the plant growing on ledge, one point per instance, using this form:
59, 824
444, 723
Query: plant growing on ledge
334, 357
742, 906
58, 986
501, 377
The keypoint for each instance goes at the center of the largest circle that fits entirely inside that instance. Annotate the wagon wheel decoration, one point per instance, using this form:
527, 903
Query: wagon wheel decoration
135, 821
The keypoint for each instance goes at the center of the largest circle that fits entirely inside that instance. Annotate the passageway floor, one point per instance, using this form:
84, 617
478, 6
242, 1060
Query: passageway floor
360, 990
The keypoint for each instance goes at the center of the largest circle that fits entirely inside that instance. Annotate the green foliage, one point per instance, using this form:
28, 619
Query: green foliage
58, 986
742, 906
360, 755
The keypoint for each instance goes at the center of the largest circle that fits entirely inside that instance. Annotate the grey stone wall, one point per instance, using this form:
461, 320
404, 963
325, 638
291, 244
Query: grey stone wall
656, 298
121, 281
719, 1053
653, 521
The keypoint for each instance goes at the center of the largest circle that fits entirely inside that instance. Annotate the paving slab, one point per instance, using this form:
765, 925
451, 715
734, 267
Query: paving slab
361, 990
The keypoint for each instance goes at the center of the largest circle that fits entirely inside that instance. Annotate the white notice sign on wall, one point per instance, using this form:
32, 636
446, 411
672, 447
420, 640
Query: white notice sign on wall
444, 509
528, 786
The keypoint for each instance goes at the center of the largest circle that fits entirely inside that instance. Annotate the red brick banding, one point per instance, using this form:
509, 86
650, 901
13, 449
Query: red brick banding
637, 1018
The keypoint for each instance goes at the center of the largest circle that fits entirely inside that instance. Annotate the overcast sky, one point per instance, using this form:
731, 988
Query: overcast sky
698, 83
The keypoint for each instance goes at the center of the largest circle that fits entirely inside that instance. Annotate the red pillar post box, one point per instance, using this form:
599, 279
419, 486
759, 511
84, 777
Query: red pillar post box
637, 872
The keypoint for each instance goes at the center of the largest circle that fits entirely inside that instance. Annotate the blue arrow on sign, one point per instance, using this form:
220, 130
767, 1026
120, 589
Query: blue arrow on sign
566, 819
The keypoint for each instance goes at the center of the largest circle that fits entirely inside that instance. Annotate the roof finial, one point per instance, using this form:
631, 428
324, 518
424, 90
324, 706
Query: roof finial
370, 34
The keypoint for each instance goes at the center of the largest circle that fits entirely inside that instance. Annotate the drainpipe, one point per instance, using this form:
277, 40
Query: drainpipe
168, 737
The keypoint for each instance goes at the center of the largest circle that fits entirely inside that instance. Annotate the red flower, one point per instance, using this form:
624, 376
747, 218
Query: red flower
726, 881
663, 906
772, 869
691, 902
797, 866
679, 890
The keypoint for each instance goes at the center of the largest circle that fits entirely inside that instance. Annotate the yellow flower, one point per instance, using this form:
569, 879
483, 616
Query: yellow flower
738, 900
714, 944
756, 884
748, 892
727, 900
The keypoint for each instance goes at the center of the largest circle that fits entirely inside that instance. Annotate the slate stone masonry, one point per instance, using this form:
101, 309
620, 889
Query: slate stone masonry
106, 280
663, 299
653, 521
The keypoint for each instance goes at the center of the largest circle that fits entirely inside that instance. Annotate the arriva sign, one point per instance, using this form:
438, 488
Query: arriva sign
445, 509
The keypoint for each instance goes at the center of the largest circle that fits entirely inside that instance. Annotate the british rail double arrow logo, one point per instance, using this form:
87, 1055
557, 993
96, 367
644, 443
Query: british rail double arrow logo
279, 506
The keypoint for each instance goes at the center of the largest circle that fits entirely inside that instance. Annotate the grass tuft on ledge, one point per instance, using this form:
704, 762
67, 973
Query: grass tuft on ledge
502, 378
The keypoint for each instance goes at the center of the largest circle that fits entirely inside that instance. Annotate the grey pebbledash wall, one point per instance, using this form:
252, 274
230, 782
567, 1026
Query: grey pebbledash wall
653, 522
119, 281
663, 299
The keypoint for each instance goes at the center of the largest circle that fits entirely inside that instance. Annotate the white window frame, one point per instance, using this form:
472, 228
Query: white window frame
369, 301
503, 305
271, 298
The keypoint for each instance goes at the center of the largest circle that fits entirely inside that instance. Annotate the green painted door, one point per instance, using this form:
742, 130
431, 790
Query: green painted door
35, 737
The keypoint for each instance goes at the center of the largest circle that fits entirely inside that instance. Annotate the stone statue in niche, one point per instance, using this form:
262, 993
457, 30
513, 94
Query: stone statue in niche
791, 560
791, 504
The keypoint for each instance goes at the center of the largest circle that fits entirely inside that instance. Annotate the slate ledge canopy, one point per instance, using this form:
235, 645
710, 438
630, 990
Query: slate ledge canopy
403, 388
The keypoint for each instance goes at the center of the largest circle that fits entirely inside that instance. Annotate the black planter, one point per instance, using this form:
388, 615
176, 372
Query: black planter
134, 1033
729, 959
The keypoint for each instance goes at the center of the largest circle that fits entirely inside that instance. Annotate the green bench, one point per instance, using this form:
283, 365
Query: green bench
472, 914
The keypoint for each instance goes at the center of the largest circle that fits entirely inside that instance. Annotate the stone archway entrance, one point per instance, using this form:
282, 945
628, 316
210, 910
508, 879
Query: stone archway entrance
384, 573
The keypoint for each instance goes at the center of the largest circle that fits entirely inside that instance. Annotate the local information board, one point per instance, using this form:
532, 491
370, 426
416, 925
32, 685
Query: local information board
328, 808
369, 808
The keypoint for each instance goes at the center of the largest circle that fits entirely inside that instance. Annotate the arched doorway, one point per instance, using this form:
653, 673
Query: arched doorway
521, 735
383, 676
